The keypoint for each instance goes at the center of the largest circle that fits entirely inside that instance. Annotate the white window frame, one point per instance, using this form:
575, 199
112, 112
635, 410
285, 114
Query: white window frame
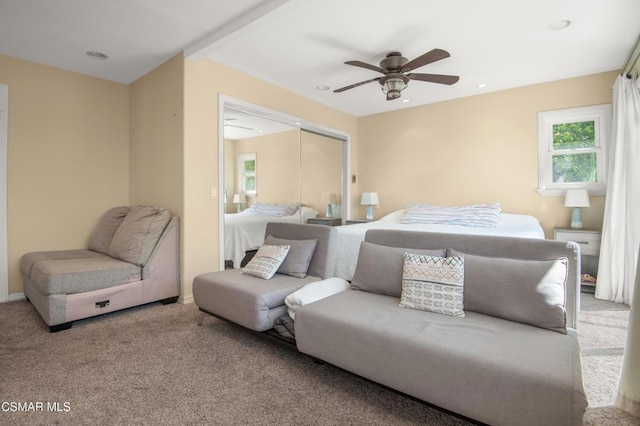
240, 160
601, 116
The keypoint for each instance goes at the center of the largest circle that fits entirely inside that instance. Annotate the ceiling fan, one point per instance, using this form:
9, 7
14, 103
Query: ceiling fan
233, 125
396, 67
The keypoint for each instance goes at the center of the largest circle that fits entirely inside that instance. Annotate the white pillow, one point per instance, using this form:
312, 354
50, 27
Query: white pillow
266, 261
313, 292
434, 284
275, 209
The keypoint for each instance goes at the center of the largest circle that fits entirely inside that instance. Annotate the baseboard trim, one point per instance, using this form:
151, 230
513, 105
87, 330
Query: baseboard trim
185, 300
16, 296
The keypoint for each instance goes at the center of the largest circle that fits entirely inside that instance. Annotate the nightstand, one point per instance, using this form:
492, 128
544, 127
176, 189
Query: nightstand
356, 221
328, 221
589, 242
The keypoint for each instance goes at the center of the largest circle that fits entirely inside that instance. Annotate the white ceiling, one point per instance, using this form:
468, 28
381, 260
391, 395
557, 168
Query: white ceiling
300, 44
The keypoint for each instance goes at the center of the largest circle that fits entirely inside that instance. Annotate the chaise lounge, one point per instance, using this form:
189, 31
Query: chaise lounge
132, 258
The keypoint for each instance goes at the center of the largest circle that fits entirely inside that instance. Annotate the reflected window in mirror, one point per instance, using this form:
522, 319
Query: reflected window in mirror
247, 173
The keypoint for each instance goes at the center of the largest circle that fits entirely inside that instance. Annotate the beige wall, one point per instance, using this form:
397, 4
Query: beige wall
473, 150
157, 137
79, 145
277, 166
68, 157
204, 81
321, 171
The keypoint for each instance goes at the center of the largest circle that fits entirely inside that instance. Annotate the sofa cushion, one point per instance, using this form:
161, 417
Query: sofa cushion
527, 291
495, 371
78, 275
433, 284
266, 261
299, 257
138, 234
379, 268
106, 228
245, 299
28, 260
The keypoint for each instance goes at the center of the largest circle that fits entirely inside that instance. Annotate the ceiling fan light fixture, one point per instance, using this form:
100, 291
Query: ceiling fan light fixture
393, 84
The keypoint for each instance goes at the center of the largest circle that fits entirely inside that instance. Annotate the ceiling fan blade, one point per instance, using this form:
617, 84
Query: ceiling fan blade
367, 66
239, 127
351, 86
435, 78
429, 57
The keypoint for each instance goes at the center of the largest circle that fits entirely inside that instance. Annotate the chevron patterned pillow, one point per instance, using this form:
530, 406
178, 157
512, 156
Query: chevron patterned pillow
434, 284
266, 261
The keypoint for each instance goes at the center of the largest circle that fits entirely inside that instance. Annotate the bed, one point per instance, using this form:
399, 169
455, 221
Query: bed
245, 230
350, 237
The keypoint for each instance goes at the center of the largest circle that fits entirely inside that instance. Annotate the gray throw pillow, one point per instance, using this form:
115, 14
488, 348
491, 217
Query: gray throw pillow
138, 234
298, 260
106, 228
379, 268
527, 291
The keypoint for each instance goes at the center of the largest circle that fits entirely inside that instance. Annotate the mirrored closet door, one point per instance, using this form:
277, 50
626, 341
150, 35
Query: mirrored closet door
271, 170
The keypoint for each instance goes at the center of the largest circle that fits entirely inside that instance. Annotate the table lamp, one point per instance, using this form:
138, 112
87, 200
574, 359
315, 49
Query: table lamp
576, 198
239, 199
369, 199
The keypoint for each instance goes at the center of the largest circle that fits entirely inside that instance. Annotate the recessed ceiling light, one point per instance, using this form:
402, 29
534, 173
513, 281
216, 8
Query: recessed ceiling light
97, 55
559, 25
482, 85
406, 100
322, 87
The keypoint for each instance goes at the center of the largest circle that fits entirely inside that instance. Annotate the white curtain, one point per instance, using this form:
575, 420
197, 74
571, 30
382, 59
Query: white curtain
621, 225
628, 398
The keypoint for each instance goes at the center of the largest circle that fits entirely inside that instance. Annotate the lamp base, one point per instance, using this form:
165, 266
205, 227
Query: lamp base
329, 212
239, 208
576, 218
370, 212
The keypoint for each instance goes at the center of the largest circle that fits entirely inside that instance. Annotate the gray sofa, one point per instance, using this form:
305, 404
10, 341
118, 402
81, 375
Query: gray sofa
132, 258
254, 302
513, 359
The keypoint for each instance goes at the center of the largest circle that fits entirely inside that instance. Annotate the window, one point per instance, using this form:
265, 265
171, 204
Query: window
247, 178
571, 149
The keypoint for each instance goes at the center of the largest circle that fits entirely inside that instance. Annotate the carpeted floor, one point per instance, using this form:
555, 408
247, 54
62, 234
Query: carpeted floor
155, 365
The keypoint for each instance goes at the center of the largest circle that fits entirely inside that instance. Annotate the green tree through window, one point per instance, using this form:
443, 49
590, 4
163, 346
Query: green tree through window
574, 166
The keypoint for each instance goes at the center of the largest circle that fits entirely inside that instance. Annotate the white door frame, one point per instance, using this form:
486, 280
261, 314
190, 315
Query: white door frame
4, 275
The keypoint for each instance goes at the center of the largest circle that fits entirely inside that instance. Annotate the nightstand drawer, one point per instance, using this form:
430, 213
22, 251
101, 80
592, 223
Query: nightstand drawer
328, 221
589, 241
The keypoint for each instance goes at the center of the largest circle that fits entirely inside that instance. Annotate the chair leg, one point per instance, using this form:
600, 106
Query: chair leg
169, 300
60, 327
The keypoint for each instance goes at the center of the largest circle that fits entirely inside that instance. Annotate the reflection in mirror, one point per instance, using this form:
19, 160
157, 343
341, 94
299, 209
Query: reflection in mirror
321, 173
261, 180
272, 171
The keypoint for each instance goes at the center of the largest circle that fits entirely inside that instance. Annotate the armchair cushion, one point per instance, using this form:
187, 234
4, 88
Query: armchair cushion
138, 234
106, 228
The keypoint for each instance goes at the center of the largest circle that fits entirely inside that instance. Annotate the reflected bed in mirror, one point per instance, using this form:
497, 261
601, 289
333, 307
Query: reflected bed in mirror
245, 230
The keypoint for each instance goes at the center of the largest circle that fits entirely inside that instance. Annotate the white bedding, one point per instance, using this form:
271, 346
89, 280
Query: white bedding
350, 236
245, 230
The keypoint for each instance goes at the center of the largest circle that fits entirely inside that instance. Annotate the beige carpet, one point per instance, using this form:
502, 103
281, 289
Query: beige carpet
154, 365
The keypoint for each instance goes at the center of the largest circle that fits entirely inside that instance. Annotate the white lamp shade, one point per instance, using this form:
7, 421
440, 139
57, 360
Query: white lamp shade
576, 198
369, 199
329, 198
239, 198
